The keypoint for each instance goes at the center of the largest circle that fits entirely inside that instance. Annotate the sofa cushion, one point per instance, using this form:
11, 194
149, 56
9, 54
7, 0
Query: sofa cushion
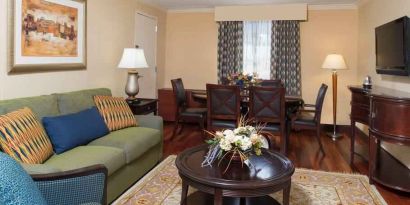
83, 156
72, 130
23, 137
135, 141
45, 105
72, 102
115, 111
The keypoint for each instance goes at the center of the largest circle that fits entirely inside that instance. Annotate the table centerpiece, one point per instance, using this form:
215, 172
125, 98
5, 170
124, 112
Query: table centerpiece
235, 146
243, 79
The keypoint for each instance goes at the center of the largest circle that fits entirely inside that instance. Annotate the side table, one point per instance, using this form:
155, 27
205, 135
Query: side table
143, 106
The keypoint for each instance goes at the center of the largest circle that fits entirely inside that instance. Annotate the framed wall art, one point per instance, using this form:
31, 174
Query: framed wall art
46, 35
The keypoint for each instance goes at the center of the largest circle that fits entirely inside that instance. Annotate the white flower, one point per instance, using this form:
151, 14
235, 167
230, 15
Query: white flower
228, 133
225, 145
239, 130
250, 128
246, 143
230, 138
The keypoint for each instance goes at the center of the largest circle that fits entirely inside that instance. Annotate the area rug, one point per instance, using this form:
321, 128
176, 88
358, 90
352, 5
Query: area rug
163, 186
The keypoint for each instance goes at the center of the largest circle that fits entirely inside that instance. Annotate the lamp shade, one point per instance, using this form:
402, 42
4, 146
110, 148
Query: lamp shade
334, 62
133, 58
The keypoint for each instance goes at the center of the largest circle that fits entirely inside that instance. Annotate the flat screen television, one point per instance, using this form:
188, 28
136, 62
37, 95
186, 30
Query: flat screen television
393, 47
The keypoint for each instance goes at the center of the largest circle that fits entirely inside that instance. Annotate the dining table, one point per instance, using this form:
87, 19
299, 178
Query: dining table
292, 105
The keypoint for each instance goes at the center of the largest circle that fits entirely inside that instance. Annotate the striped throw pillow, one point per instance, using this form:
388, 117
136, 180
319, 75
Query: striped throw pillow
23, 137
116, 112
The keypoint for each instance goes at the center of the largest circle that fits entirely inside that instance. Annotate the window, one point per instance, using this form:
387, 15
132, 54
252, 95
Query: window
257, 48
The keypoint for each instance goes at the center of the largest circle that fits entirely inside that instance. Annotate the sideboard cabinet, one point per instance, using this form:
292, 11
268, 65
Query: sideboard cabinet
387, 113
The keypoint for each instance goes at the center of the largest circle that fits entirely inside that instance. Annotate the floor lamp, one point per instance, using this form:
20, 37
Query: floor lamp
334, 62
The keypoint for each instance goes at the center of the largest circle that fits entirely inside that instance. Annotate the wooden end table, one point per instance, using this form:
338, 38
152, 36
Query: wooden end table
271, 172
143, 106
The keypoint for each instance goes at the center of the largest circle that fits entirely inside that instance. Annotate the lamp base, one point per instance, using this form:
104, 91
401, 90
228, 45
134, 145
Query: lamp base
334, 135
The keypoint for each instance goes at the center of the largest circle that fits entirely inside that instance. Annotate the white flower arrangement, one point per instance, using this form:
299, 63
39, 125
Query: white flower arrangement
242, 142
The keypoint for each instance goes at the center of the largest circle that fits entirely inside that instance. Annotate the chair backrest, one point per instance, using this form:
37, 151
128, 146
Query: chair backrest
179, 93
273, 83
223, 102
16, 185
319, 102
267, 104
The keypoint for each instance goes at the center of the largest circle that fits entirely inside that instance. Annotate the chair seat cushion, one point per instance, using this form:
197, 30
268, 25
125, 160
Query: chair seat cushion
305, 119
272, 127
223, 124
134, 141
194, 112
83, 156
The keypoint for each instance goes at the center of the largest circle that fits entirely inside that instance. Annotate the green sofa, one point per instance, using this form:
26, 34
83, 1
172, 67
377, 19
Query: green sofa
127, 154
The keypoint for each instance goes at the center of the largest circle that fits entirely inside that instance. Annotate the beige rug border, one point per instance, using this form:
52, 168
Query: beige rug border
140, 183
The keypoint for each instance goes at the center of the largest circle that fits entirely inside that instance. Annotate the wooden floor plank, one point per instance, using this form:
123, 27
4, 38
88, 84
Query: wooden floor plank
303, 151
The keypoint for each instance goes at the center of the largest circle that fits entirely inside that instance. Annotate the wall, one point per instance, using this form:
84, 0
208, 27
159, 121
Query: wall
372, 14
325, 32
110, 25
191, 50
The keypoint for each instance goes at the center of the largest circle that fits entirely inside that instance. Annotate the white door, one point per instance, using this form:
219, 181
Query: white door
146, 38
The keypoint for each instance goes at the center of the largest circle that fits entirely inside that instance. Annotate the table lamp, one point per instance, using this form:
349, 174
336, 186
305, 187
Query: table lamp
132, 59
334, 62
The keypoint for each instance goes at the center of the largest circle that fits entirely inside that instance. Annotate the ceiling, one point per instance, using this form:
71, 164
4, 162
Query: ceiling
200, 4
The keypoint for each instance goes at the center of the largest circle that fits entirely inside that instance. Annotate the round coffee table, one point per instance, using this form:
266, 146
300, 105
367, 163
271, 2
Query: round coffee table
269, 173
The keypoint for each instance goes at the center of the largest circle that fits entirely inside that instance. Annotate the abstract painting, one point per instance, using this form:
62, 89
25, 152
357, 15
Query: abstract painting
48, 35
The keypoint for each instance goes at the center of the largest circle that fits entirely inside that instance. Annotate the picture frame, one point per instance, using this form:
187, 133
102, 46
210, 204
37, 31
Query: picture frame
46, 35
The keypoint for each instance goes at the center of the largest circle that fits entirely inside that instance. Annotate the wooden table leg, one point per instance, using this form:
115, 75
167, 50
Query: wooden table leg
218, 197
373, 141
286, 194
184, 192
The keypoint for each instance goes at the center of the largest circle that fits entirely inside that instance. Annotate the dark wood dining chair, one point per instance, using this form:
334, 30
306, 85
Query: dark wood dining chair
305, 120
273, 83
184, 113
267, 107
223, 106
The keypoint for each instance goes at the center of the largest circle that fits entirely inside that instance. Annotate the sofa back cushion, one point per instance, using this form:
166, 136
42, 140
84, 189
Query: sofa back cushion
23, 137
42, 106
116, 112
73, 102
72, 130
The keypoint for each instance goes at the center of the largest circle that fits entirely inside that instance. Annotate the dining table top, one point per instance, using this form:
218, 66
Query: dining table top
201, 95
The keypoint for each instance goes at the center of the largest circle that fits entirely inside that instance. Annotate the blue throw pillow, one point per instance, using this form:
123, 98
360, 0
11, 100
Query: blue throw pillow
72, 130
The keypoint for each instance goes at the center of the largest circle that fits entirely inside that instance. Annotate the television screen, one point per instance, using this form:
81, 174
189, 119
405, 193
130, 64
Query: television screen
390, 45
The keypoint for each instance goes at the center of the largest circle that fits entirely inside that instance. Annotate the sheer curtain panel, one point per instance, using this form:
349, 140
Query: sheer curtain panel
257, 48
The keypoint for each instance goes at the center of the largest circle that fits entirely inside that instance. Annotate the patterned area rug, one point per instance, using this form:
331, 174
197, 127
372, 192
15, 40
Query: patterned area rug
163, 186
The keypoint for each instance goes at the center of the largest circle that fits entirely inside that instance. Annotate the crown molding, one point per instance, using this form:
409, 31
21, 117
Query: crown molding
333, 7
192, 10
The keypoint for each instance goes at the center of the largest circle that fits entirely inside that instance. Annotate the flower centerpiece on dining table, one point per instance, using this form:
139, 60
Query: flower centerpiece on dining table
235, 145
243, 79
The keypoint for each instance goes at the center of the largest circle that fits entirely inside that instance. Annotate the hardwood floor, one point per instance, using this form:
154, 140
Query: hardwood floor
303, 151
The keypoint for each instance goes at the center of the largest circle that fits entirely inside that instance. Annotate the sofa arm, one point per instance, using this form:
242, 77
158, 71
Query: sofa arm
39, 169
80, 186
151, 121
154, 122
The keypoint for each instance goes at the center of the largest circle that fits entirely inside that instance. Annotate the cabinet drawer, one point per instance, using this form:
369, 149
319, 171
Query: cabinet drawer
360, 98
360, 113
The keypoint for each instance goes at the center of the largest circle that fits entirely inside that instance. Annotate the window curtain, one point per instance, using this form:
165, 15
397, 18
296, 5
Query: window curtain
285, 60
230, 48
257, 48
